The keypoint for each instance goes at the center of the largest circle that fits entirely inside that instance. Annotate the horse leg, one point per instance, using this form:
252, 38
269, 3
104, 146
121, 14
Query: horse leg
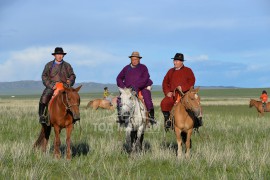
134, 138
188, 143
139, 136
68, 142
57, 142
128, 139
179, 141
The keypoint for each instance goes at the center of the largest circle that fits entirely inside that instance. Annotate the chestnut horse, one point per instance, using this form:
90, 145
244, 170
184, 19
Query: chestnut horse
259, 107
63, 112
185, 113
102, 103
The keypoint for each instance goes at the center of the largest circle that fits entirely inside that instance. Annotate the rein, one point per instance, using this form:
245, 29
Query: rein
67, 105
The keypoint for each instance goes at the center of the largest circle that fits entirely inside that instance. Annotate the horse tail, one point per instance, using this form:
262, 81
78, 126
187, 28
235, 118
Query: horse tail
44, 135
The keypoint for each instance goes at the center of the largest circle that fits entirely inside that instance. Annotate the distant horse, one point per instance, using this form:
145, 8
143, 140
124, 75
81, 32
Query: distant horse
185, 113
259, 107
63, 111
136, 122
102, 103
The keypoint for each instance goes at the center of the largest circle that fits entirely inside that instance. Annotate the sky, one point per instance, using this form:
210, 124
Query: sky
225, 43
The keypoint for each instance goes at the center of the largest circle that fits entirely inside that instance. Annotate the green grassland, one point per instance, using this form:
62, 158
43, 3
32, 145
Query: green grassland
232, 144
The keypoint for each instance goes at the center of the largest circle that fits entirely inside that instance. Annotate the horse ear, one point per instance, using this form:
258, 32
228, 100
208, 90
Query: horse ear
78, 88
197, 89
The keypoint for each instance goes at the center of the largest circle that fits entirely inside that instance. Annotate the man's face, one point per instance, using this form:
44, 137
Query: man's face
58, 57
177, 63
135, 61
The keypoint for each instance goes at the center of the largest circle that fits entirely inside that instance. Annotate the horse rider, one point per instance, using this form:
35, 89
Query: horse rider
54, 71
264, 99
106, 95
181, 78
136, 76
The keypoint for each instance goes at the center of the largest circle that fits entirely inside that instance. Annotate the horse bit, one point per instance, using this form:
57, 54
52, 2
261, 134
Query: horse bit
68, 105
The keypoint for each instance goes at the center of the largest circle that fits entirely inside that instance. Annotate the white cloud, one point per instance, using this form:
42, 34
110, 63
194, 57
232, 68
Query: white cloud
28, 64
91, 57
199, 58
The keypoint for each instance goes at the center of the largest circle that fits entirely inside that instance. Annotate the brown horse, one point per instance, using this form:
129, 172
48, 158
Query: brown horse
259, 107
63, 112
102, 103
184, 113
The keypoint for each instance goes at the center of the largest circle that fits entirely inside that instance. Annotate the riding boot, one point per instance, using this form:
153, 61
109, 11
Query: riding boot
151, 115
264, 105
42, 117
167, 121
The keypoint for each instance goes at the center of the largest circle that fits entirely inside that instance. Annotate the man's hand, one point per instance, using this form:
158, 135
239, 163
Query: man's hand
179, 88
68, 82
169, 94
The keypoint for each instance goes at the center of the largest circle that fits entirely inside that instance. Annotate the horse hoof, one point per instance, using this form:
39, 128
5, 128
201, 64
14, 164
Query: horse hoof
57, 156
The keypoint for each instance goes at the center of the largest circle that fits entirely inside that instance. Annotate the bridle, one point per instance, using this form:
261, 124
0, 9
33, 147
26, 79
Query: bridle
68, 105
186, 102
132, 107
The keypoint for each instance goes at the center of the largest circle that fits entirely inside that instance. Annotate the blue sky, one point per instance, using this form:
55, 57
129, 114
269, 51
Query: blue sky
226, 43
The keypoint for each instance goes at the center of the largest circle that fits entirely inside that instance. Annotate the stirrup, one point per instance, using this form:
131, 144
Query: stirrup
42, 119
152, 121
168, 124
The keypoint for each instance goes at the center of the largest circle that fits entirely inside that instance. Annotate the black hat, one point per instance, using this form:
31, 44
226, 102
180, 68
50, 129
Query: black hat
179, 56
59, 50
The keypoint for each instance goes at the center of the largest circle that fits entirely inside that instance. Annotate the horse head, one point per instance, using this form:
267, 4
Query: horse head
127, 100
71, 100
191, 101
252, 103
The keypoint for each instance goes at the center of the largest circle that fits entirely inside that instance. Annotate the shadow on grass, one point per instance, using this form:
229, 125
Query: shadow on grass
173, 145
77, 149
143, 149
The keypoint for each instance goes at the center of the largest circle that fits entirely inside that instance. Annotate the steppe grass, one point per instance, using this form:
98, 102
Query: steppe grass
232, 144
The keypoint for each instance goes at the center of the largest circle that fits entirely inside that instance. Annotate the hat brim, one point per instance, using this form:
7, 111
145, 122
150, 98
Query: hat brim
135, 56
178, 59
59, 53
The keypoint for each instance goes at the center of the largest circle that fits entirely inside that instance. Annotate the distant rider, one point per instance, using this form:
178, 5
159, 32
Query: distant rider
264, 99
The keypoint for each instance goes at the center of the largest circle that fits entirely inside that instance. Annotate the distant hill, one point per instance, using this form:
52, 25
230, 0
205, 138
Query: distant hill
36, 87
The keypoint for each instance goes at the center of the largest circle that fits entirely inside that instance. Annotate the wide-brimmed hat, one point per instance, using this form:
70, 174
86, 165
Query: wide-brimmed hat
135, 54
59, 50
179, 56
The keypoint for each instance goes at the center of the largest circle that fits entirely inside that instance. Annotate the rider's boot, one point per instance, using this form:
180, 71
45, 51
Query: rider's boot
41, 109
167, 121
264, 106
151, 115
